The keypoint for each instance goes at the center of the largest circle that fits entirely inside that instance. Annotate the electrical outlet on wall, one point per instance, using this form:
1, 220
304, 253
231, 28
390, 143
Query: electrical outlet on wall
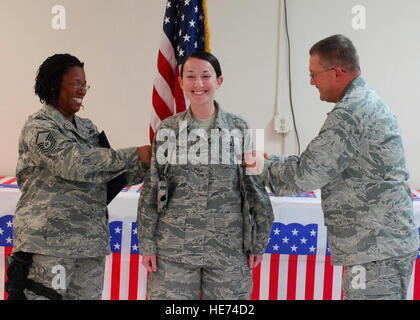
280, 124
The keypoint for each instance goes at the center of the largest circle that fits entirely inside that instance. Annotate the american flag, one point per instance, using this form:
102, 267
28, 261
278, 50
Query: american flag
115, 241
289, 263
6, 246
125, 276
184, 31
293, 267
8, 182
310, 194
333, 276
138, 273
414, 287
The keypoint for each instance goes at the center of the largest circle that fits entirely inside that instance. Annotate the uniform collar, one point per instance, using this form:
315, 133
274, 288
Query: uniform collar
355, 83
53, 113
221, 121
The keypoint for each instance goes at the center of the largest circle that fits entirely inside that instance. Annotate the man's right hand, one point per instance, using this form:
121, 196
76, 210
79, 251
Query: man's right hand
254, 161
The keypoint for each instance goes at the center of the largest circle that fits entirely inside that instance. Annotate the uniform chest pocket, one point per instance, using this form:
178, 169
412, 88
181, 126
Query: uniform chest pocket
224, 172
176, 174
179, 186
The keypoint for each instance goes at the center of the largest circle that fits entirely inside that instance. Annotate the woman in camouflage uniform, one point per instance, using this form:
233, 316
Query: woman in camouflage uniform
61, 234
192, 232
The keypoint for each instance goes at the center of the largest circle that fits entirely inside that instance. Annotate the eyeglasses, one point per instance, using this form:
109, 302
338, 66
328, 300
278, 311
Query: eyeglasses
78, 85
314, 75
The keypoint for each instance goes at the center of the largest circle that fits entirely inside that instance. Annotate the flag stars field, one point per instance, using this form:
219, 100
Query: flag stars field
293, 239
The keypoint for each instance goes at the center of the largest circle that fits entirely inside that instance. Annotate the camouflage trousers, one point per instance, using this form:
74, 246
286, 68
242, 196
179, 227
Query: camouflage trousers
179, 281
379, 280
74, 279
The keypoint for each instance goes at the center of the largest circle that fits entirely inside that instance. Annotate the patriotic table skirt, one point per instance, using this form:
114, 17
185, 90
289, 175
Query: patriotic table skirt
296, 265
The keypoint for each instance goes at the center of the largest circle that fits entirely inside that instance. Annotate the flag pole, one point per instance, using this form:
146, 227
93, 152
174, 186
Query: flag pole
206, 28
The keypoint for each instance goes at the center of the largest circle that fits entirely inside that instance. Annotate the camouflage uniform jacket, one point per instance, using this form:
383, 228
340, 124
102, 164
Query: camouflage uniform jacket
62, 174
203, 215
358, 162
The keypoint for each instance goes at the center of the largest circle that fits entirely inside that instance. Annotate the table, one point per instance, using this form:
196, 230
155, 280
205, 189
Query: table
297, 270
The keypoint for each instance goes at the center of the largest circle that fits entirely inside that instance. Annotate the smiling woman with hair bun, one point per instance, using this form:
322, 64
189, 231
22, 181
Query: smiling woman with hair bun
194, 219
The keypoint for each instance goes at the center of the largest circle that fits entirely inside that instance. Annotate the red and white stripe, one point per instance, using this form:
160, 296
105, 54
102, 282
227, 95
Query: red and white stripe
168, 97
125, 277
413, 291
7, 180
4, 253
296, 277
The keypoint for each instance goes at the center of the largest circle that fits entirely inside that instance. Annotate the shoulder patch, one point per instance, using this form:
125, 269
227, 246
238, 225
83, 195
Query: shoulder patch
45, 141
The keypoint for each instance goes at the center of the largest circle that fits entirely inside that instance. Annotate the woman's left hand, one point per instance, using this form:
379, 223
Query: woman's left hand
254, 260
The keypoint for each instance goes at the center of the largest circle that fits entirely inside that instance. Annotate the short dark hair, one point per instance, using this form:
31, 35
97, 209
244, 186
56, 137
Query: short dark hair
337, 50
50, 74
207, 56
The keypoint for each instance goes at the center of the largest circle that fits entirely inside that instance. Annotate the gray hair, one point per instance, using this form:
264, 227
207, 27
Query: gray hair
337, 50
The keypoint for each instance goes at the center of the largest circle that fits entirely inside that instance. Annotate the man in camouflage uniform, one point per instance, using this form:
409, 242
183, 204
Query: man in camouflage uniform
358, 162
198, 234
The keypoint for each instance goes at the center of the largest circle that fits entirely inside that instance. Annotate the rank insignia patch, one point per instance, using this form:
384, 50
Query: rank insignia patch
45, 141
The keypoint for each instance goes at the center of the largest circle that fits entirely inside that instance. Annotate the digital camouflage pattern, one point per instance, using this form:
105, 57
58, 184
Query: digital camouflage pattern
62, 174
358, 161
379, 280
72, 278
203, 221
174, 281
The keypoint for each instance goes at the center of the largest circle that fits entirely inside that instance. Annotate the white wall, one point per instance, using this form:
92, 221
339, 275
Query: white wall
118, 41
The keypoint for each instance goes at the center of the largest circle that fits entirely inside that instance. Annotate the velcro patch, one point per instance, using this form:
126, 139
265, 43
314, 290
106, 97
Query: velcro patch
45, 141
